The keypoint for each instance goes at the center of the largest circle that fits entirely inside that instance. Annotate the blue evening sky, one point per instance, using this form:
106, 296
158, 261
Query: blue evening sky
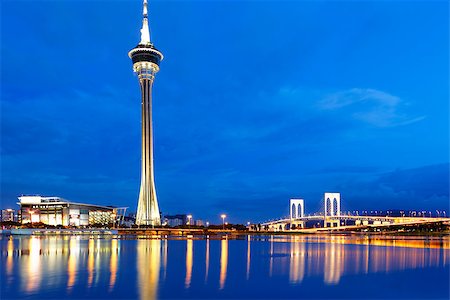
256, 102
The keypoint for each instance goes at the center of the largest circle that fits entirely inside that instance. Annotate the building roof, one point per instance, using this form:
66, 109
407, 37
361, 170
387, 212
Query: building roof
36, 199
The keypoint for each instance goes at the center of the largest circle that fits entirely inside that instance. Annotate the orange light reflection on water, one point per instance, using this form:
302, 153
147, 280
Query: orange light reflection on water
298, 256
329, 255
296, 262
113, 263
32, 274
9, 259
90, 263
223, 262
189, 263
74, 252
148, 265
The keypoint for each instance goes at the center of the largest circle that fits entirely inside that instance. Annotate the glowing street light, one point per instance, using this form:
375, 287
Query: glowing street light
207, 224
223, 216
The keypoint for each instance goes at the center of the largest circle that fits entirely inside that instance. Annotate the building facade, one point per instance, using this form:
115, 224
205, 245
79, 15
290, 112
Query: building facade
8, 215
58, 211
175, 220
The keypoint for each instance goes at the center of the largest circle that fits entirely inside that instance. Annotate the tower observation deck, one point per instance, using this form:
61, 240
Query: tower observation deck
146, 59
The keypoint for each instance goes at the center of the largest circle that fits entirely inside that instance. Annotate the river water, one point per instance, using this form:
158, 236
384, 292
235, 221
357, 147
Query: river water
333, 267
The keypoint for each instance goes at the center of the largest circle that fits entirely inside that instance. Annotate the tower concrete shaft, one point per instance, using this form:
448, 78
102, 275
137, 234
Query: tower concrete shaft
148, 210
146, 59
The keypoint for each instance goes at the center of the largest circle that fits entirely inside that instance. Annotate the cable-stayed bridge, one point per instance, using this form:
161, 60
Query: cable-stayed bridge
332, 218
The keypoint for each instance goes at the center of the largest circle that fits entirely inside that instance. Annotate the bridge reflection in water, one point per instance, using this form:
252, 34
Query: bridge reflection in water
92, 263
332, 257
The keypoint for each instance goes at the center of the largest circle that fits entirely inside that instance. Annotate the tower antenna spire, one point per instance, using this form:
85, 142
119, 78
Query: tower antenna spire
145, 9
145, 31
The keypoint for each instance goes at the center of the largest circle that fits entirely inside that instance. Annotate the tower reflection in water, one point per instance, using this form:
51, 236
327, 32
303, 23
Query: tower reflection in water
148, 265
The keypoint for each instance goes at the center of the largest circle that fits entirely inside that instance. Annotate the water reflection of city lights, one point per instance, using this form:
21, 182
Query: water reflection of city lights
297, 261
113, 263
271, 256
75, 262
333, 265
248, 257
334, 256
9, 259
148, 266
32, 275
207, 260
189, 263
90, 262
165, 253
72, 263
223, 262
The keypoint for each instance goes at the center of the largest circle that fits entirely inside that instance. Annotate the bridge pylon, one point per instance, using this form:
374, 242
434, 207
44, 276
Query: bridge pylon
297, 213
332, 214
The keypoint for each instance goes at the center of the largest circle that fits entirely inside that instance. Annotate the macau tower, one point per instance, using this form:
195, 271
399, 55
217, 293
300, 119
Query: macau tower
146, 59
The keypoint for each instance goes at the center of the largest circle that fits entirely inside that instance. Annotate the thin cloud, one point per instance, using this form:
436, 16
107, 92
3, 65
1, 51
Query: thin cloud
370, 106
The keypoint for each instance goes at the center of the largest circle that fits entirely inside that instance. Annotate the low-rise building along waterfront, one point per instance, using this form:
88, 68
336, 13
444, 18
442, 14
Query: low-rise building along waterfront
175, 220
58, 211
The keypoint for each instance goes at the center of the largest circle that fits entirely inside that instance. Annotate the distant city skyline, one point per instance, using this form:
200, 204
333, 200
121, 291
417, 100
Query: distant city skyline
257, 103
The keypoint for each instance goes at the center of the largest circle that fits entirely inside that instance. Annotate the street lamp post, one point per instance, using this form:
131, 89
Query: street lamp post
223, 216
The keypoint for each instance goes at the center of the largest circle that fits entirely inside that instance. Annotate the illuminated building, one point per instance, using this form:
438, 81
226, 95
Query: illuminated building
146, 59
8, 215
175, 220
58, 211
